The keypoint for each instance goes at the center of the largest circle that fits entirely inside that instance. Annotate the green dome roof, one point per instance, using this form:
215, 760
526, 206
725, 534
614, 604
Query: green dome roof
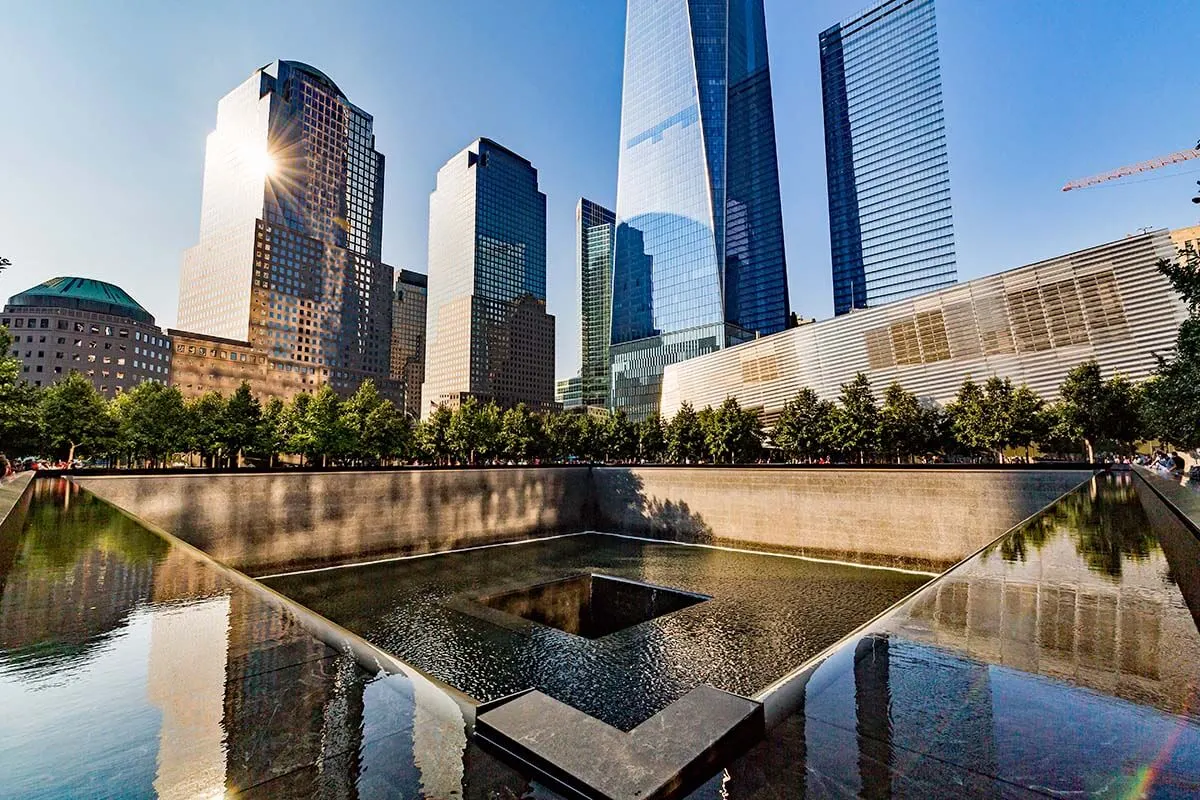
84, 294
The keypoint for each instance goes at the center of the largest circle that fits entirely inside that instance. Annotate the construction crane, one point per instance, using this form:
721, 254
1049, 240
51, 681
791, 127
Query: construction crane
1133, 169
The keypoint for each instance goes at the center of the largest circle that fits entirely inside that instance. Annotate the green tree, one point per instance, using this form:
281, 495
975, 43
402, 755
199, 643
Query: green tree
620, 437
465, 435
651, 440
1184, 274
937, 426
519, 434
1171, 398
294, 432
328, 436
151, 422
684, 436
433, 435
75, 415
490, 418
997, 415
1123, 424
968, 417
983, 416
387, 434
20, 428
205, 422
271, 439
1081, 405
1027, 420
856, 422
902, 422
733, 434
805, 426
241, 424
355, 415
591, 436
561, 436
705, 417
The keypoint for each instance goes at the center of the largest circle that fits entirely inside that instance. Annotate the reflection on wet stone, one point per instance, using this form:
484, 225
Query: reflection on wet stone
203, 688
1060, 662
1067, 666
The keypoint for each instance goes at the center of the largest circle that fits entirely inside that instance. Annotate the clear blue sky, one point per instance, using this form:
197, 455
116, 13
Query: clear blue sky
106, 106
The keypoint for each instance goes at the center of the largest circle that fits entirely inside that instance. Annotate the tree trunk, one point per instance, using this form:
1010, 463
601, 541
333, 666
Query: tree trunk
71, 455
1091, 456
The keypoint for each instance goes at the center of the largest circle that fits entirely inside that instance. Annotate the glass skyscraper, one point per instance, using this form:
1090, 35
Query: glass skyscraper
408, 336
489, 335
698, 259
288, 257
890, 226
594, 227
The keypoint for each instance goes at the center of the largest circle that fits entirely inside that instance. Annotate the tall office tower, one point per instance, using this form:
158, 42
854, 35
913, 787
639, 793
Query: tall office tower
489, 335
594, 227
408, 336
890, 227
698, 262
288, 257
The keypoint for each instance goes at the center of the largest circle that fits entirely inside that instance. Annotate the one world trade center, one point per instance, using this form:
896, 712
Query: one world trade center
698, 257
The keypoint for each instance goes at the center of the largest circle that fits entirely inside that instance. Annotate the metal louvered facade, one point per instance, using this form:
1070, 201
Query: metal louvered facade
1031, 324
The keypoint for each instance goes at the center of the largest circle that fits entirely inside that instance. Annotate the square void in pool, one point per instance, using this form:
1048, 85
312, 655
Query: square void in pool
586, 618
591, 605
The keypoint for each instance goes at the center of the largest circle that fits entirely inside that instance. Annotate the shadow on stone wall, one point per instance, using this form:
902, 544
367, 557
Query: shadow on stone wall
284, 521
648, 516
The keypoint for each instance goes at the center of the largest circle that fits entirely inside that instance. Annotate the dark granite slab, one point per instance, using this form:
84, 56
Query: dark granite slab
673, 751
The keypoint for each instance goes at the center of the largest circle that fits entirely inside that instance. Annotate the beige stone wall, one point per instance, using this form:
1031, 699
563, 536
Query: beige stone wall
277, 522
920, 518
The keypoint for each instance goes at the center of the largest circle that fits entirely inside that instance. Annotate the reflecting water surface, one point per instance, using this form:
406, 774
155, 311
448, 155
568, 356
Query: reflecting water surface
766, 615
1064, 662
132, 668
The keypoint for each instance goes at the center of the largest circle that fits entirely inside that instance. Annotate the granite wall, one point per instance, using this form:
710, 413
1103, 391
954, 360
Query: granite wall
265, 523
921, 518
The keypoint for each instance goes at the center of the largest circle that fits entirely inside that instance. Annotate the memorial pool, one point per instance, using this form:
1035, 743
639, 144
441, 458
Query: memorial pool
764, 615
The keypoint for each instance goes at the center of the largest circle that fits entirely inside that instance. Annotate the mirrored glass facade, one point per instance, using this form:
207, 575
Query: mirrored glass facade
698, 259
288, 257
489, 335
408, 336
890, 224
594, 228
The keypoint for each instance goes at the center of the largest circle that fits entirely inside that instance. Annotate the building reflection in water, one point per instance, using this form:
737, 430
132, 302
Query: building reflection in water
1100, 595
1062, 661
186, 682
132, 668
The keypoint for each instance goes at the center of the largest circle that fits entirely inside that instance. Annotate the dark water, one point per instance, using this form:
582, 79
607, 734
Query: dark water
767, 615
1063, 662
130, 668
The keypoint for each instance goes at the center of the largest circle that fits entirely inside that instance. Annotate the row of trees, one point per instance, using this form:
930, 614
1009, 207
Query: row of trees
984, 421
152, 424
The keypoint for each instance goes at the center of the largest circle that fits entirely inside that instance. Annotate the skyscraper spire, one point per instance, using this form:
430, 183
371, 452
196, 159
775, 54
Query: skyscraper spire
699, 260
